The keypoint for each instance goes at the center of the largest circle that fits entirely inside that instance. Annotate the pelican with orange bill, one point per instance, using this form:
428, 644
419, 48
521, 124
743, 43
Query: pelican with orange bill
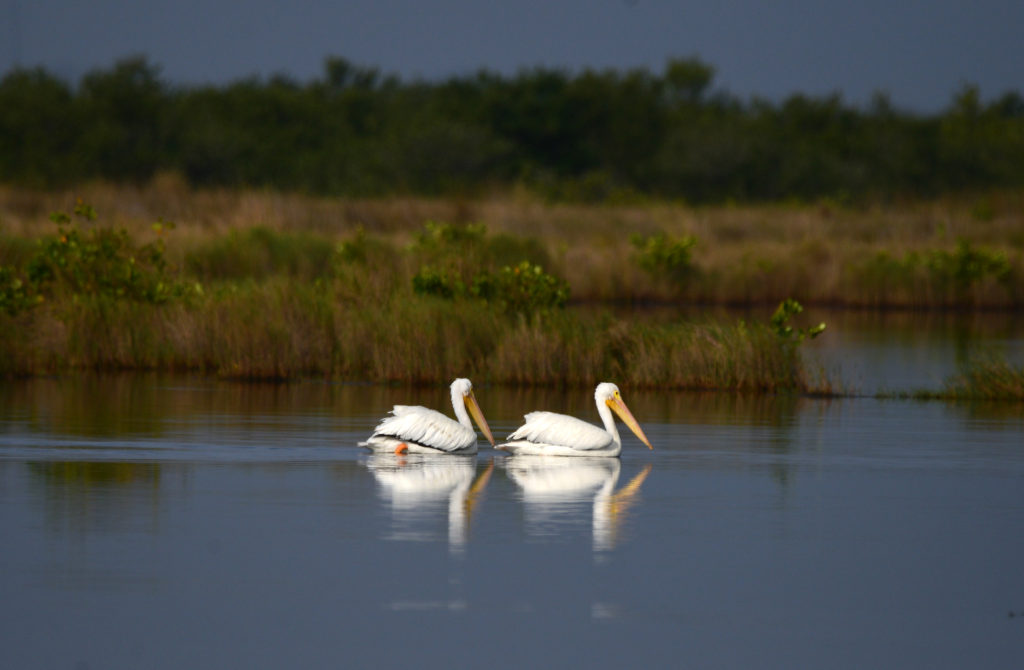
418, 430
551, 434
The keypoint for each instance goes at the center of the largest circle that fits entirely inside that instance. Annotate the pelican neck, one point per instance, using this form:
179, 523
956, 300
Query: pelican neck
459, 405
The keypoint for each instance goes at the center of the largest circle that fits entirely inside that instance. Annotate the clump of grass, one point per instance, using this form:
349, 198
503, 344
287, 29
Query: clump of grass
737, 357
578, 351
287, 328
986, 379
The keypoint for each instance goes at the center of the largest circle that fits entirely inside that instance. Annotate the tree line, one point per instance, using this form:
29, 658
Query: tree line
594, 135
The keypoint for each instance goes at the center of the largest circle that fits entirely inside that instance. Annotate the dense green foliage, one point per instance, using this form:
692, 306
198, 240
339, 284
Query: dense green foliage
593, 135
779, 322
463, 261
85, 260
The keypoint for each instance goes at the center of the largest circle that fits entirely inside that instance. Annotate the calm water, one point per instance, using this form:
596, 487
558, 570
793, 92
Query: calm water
166, 522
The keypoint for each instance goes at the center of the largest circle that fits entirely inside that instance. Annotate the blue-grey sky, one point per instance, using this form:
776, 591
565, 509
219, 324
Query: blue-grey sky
920, 52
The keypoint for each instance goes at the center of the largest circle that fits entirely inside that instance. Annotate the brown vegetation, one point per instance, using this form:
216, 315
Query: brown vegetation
270, 285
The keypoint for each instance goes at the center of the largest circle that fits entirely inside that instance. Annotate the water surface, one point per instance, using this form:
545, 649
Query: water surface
168, 522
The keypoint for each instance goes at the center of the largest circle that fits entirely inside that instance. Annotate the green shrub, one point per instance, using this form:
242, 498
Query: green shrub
353, 250
15, 294
462, 261
666, 257
471, 249
780, 323
523, 289
102, 261
966, 265
439, 282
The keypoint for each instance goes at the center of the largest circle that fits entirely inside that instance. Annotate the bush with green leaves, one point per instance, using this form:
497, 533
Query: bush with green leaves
451, 255
471, 247
461, 261
102, 261
523, 289
779, 322
353, 250
16, 294
666, 257
966, 265
437, 235
431, 280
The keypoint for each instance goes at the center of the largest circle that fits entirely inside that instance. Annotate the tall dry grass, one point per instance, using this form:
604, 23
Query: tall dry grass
986, 379
868, 255
287, 329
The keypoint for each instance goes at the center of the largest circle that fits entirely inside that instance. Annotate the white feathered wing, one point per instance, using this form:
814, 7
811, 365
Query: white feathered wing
551, 428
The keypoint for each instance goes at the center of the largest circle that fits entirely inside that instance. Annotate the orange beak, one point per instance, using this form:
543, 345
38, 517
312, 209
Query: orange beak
619, 407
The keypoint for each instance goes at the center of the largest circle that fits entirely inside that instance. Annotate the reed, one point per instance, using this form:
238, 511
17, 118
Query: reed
986, 379
287, 328
272, 286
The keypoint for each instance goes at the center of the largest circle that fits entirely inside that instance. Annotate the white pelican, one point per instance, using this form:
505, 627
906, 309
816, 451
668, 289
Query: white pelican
418, 430
551, 434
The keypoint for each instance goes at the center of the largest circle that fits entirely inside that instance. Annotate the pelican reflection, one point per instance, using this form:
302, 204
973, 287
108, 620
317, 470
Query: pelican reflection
552, 487
421, 487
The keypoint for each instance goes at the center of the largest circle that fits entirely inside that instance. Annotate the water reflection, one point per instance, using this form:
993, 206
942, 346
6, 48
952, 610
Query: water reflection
163, 405
555, 489
422, 488
85, 496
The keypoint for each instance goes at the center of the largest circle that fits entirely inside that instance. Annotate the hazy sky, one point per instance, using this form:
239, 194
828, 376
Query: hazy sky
918, 51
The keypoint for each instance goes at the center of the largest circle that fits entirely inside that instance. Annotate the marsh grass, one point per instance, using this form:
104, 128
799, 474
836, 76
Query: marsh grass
947, 253
259, 252
986, 379
288, 329
276, 286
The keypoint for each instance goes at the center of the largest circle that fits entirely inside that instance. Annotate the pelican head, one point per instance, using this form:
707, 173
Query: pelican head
608, 394
462, 395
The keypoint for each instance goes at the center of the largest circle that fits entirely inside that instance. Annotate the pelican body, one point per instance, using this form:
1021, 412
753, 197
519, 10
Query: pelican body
419, 430
551, 434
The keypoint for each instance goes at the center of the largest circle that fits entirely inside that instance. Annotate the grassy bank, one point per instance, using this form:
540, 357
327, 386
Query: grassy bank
285, 328
263, 285
264, 302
